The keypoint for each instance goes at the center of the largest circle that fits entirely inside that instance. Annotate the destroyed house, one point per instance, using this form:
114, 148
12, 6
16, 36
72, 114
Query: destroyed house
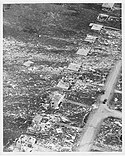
56, 100
74, 66
102, 17
90, 38
107, 6
63, 84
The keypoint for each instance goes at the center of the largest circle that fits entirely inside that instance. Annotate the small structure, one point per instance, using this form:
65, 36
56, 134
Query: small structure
97, 27
83, 51
90, 38
74, 66
28, 63
64, 85
102, 17
57, 99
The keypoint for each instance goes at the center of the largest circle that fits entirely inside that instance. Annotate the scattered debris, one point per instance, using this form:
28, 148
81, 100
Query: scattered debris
113, 19
80, 85
46, 105
70, 126
116, 99
64, 119
25, 143
118, 123
45, 124
33, 69
94, 106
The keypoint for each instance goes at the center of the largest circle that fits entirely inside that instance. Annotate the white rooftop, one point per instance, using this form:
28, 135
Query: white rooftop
74, 66
108, 5
28, 63
37, 118
97, 27
83, 51
91, 24
90, 38
105, 15
63, 85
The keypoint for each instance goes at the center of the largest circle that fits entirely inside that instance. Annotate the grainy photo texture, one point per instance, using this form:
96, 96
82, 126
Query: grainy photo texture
62, 77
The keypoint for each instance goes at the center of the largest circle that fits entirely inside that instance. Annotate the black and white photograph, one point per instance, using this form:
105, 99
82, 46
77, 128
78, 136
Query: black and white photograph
62, 77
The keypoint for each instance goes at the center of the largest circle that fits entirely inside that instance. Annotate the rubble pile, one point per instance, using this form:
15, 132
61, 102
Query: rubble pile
119, 83
116, 102
46, 133
110, 135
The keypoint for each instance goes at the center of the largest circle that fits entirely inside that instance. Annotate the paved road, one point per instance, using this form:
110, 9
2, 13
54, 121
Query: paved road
97, 116
111, 82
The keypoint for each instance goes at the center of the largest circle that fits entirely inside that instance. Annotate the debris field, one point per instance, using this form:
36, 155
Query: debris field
53, 78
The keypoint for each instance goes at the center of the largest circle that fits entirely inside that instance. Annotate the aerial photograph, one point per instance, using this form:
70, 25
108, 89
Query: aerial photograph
62, 77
